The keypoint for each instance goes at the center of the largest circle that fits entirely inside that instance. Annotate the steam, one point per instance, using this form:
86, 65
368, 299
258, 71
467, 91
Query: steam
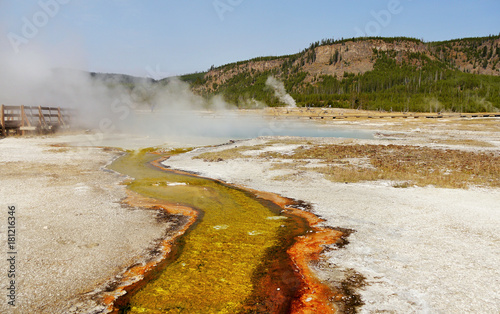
165, 110
280, 92
434, 105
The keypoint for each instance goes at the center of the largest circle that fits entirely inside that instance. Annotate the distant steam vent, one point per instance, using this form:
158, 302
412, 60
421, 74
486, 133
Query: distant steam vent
280, 92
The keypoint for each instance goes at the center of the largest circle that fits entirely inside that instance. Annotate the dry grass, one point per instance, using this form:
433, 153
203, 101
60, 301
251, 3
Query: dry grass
288, 141
349, 174
416, 165
27, 170
479, 125
231, 153
296, 164
58, 150
464, 142
402, 185
287, 177
405, 165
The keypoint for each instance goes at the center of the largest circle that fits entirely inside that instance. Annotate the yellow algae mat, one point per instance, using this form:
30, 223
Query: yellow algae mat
223, 256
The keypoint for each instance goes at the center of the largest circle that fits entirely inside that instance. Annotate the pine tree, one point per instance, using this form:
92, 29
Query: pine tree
485, 51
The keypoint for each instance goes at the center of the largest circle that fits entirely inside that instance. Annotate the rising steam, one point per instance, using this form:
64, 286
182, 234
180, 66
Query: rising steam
164, 110
168, 111
280, 92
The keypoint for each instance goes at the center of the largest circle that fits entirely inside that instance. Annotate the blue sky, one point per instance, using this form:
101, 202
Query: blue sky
162, 38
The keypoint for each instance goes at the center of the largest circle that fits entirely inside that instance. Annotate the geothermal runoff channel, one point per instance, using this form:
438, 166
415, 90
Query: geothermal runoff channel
242, 252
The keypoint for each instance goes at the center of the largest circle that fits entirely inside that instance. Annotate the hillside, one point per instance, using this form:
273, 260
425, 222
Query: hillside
400, 74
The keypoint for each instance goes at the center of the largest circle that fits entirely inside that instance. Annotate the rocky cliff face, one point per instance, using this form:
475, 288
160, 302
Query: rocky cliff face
222, 74
472, 57
475, 55
355, 57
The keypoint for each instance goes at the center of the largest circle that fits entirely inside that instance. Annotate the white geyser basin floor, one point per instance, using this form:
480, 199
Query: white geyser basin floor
421, 249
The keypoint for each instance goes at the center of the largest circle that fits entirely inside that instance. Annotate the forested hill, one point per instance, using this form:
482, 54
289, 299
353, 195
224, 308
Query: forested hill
400, 74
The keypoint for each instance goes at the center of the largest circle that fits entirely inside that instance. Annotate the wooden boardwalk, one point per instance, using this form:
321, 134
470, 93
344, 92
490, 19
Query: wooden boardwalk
20, 120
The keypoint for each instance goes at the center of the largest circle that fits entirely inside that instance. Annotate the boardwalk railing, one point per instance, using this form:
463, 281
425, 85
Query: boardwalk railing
22, 119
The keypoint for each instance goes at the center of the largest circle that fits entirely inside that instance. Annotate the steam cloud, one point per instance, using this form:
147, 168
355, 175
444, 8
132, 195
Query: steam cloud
169, 112
162, 110
280, 92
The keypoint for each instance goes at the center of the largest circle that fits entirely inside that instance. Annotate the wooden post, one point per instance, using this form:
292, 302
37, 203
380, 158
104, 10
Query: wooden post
41, 119
2, 121
27, 117
22, 118
59, 116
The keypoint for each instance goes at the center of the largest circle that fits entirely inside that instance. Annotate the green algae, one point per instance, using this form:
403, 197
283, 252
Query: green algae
223, 257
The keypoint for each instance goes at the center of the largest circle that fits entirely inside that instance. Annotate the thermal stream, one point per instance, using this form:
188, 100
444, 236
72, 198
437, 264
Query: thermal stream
234, 259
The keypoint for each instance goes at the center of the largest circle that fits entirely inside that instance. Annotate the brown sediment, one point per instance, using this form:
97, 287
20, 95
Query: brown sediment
133, 277
275, 198
313, 296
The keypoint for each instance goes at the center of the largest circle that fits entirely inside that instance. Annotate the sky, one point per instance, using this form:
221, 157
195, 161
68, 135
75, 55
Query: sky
165, 38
